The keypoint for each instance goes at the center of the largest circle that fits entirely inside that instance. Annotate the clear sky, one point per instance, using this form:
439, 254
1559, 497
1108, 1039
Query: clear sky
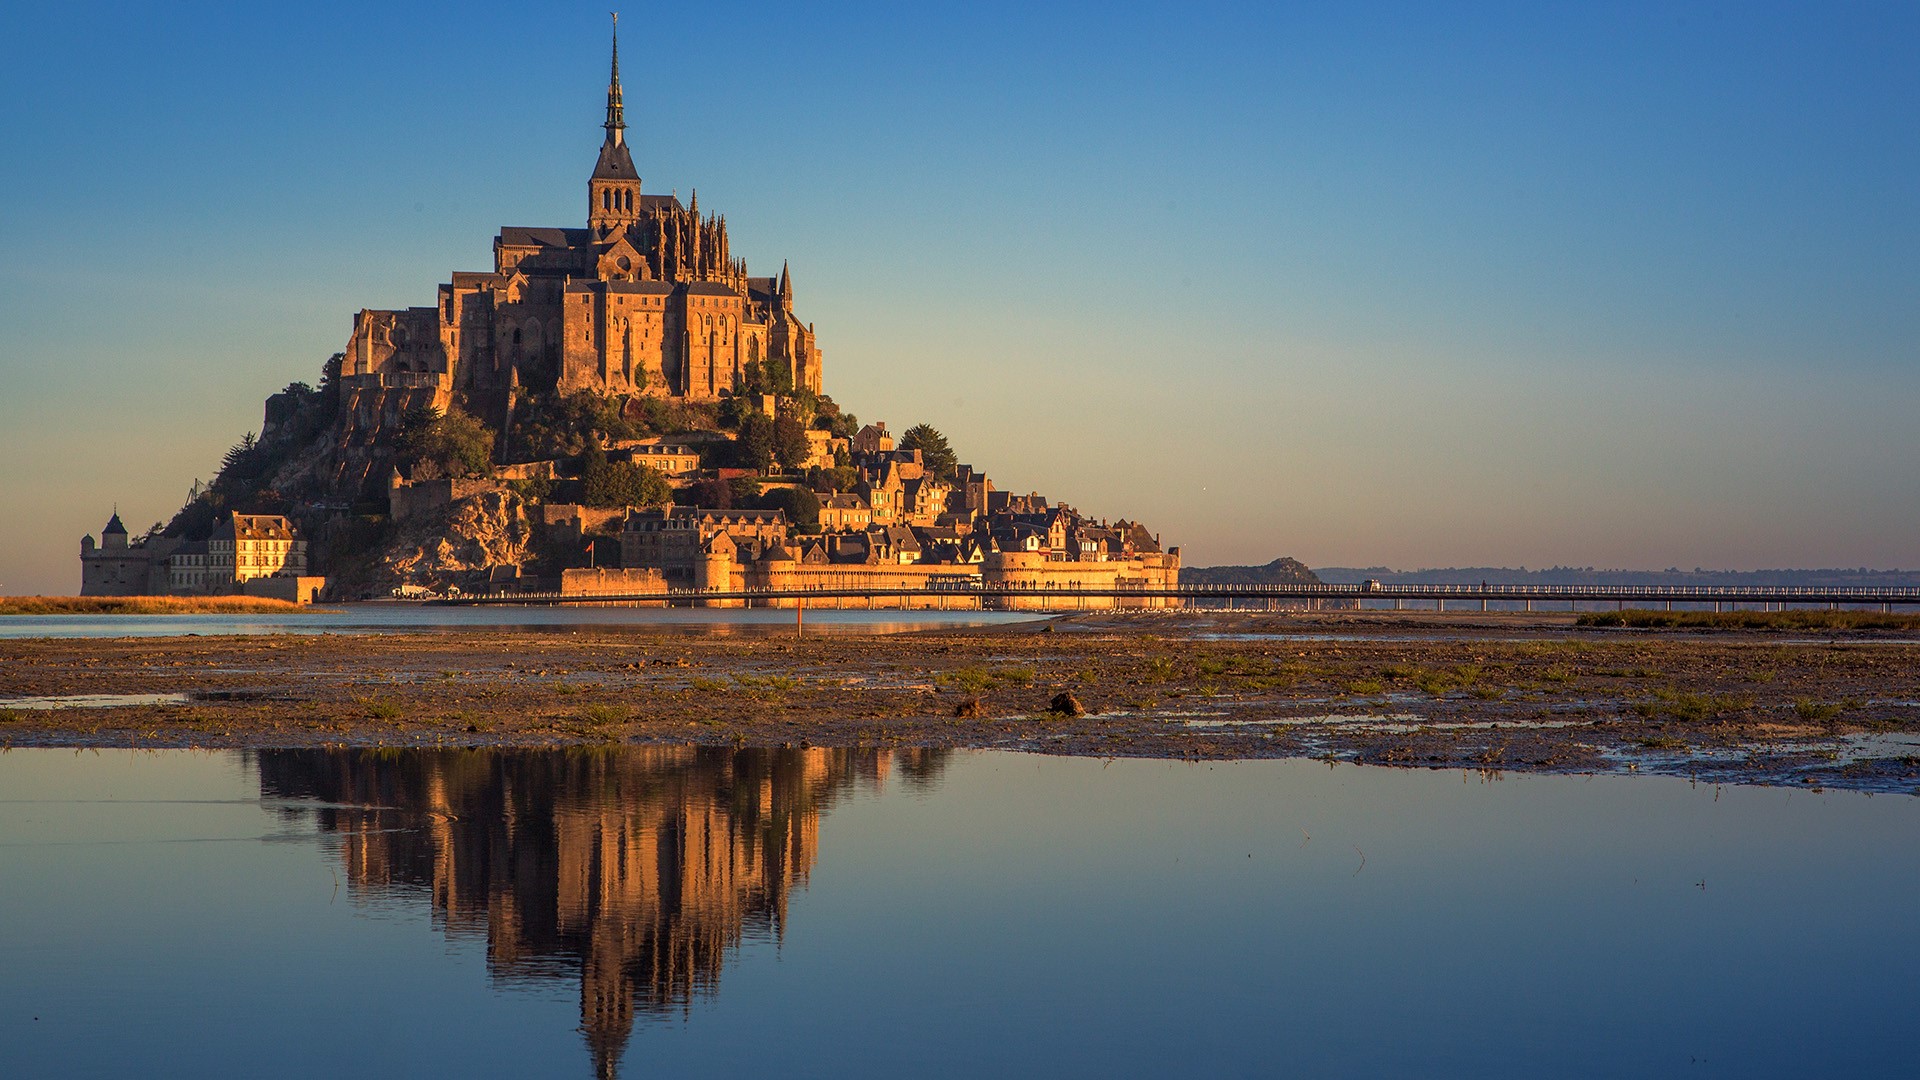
1629, 285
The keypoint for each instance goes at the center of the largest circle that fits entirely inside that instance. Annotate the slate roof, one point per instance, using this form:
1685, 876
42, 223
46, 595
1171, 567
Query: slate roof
649, 288
615, 163
531, 236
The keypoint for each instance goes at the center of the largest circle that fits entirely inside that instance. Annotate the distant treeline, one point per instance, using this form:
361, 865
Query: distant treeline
1576, 575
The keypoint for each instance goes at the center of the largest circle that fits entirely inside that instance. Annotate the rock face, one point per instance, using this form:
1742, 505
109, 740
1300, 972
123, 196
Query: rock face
471, 535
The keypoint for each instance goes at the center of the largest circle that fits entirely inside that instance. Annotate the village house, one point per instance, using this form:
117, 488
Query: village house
672, 539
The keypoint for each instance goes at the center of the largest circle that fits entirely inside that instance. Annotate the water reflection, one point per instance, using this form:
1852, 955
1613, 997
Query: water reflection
635, 871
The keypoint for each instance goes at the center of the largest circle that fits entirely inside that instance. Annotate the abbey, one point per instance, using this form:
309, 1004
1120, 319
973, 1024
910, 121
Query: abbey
647, 298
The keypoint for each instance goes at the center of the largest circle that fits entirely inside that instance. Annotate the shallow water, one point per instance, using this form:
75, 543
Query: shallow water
872, 913
90, 701
379, 618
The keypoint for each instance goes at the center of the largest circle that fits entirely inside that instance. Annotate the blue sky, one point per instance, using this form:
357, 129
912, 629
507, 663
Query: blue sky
1621, 285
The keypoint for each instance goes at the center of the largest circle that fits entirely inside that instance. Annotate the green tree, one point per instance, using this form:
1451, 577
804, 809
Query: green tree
743, 490
452, 444
776, 377
561, 425
789, 442
755, 447
935, 454
709, 494
607, 484
801, 506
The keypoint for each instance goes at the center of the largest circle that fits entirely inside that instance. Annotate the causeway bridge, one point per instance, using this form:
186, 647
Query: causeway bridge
1015, 596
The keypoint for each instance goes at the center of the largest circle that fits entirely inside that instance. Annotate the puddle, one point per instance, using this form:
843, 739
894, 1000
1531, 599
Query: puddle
91, 701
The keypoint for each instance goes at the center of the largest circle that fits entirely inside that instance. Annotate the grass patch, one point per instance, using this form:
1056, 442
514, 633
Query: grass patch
1366, 687
706, 685
604, 714
970, 680
1438, 683
1690, 707
1662, 742
144, 605
1809, 709
1791, 619
379, 709
12, 716
565, 688
978, 680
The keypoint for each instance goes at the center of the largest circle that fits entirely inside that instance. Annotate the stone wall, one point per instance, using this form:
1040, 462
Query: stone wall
298, 590
1022, 569
602, 581
408, 499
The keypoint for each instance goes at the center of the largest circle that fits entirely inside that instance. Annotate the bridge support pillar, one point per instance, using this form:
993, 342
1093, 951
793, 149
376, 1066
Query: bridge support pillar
1529, 607
1440, 604
1483, 604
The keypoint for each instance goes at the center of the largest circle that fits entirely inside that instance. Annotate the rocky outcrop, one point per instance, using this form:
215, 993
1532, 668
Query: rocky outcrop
450, 547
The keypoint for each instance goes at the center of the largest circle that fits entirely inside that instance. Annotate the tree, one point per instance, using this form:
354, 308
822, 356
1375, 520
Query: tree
452, 444
755, 448
777, 377
745, 489
607, 484
708, 494
935, 454
790, 447
801, 506
561, 425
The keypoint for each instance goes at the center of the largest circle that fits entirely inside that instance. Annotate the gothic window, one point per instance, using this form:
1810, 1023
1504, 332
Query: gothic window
606, 199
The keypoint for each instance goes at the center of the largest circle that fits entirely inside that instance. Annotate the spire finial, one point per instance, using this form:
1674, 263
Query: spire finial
616, 112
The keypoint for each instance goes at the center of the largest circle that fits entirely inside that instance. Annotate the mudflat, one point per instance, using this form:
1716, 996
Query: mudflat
1493, 692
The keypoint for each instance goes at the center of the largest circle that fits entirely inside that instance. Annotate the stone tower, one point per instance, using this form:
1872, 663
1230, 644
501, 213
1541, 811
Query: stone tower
613, 192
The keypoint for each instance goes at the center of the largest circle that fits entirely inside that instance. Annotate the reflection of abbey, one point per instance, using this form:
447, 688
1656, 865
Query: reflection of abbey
634, 871
646, 298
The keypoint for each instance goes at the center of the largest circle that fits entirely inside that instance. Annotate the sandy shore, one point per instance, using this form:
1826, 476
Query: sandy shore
1492, 693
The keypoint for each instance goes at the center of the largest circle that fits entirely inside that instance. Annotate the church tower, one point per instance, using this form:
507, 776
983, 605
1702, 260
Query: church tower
613, 194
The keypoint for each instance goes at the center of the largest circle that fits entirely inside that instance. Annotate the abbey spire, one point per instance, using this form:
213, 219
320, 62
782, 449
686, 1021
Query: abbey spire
616, 113
613, 193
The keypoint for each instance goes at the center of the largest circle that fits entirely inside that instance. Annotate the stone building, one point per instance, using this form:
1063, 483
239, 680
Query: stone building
117, 566
258, 554
647, 298
247, 546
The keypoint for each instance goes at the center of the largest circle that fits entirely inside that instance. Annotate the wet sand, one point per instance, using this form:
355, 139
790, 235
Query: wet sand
1484, 692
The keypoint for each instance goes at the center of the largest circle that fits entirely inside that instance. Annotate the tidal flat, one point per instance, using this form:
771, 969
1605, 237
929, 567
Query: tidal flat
1839, 710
